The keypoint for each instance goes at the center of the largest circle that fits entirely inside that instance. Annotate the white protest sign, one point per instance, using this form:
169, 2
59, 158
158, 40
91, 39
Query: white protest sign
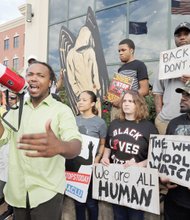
134, 187
170, 154
174, 63
79, 169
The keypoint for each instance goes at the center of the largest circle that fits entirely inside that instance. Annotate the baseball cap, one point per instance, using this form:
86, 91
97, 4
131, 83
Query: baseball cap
186, 88
32, 57
183, 25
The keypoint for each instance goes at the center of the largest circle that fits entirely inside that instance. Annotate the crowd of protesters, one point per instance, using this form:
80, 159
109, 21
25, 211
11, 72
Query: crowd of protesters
49, 138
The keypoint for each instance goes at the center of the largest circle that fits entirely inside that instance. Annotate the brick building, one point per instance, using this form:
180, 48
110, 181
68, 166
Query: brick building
12, 40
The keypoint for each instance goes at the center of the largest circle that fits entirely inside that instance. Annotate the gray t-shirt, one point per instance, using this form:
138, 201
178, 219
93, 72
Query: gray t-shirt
171, 99
95, 126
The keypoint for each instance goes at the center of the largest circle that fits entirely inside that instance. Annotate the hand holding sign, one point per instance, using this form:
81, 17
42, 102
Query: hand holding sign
166, 182
170, 154
185, 78
134, 187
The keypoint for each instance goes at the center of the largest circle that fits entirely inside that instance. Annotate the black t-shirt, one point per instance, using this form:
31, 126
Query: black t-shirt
129, 139
135, 69
180, 126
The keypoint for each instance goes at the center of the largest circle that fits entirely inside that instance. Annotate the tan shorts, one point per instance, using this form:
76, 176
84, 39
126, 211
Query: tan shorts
161, 125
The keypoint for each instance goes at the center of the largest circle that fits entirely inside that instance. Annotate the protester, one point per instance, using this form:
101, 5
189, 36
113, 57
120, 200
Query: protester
4, 154
131, 130
92, 125
57, 85
31, 59
132, 68
177, 200
2, 165
48, 134
164, 90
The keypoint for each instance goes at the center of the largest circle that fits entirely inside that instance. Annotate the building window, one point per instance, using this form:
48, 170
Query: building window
6, 44
5, 62
16, 42
15, 64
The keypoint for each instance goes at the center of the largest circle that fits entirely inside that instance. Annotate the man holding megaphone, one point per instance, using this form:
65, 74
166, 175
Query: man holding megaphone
48, 134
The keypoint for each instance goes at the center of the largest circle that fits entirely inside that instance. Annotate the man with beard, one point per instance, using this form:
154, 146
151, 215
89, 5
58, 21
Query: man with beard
48, 135
177, 200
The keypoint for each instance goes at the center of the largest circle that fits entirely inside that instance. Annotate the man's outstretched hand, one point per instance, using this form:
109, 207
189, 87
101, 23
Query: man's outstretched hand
41, 144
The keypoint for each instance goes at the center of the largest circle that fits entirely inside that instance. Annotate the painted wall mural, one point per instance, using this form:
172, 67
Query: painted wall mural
83, 61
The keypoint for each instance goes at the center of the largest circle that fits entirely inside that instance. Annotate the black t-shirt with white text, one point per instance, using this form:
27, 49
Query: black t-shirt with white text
129, 140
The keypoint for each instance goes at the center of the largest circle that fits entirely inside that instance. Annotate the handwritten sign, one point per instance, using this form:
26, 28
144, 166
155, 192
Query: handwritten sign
79, 169
170, 154
134, 187
174, 63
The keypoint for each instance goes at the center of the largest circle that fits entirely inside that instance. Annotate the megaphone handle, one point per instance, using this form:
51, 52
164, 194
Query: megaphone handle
21, 98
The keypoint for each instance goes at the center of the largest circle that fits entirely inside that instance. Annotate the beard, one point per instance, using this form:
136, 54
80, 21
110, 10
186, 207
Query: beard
184, 110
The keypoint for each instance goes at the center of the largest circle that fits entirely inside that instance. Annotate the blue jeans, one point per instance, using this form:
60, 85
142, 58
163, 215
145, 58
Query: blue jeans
126, 213
91, 206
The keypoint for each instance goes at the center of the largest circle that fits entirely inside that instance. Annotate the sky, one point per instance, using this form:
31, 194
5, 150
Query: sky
9, 10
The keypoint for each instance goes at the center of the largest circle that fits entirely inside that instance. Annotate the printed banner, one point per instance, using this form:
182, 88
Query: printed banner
170, 154
119, 84
174, 63
134, 187
79, 169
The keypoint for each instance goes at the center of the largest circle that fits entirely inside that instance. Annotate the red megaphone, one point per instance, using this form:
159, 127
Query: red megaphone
12, 80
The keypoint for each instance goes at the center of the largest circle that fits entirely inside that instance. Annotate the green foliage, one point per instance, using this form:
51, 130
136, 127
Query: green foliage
63, 96
151, 107
106, 112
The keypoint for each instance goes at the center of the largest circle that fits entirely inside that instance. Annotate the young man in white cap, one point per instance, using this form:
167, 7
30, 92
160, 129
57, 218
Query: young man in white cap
164, 90
31, 59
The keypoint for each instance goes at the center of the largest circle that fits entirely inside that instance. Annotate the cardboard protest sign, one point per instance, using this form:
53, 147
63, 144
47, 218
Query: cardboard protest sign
79, 169
134, 187
119, 84
174, 63
170, 154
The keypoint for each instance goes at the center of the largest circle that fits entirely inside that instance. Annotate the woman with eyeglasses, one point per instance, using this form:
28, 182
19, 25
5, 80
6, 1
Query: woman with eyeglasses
92, 125
131, 129
12, 99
